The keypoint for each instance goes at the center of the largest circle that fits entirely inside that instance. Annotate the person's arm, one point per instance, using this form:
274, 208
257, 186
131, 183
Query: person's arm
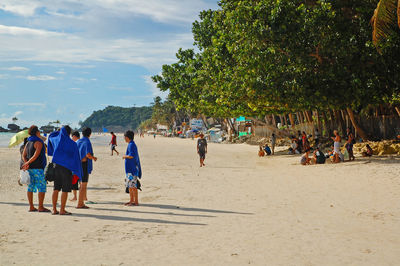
127, 157
38, 146
91, 157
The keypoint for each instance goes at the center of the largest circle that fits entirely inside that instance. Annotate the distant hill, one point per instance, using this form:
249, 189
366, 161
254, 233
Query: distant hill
117, 119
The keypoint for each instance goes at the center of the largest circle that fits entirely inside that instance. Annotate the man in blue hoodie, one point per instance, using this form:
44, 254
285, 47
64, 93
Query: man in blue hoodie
66, 159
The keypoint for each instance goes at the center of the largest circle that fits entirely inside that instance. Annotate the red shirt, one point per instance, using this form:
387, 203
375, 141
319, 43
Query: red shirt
114, 140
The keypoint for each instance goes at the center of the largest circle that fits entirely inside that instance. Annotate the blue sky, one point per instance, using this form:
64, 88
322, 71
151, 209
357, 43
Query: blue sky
65, 59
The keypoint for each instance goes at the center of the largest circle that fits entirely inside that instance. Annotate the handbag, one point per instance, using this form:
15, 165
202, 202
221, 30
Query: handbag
24, 177
50, 172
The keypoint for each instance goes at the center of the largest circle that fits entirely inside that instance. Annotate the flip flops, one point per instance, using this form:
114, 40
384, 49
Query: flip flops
66, 213
44, 210
82, 207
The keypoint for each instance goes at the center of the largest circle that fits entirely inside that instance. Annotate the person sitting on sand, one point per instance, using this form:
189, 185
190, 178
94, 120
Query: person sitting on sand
318, 157
133, 169
369, 151
75, 186
305, 160
261, 152
336, 147
202, 149
87, 157
267, 150
113, 143
35, 161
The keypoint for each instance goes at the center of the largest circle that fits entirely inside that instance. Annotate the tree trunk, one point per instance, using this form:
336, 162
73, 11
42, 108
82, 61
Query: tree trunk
292, 120
285, 120
356, 126
273, 121
397, 110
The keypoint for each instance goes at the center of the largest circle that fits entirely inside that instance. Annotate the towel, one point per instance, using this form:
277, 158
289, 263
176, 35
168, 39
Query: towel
133, 165
64, 151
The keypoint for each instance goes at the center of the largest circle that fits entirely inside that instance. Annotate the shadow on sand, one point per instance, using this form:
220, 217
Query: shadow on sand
174, 207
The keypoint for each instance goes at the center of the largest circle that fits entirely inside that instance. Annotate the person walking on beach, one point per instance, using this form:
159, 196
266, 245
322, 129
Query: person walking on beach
316, 137
133, 169
86, 156
349, 144
66, 159
113, 144
75, 186
34, 156
273, 142
202, 149
336, 147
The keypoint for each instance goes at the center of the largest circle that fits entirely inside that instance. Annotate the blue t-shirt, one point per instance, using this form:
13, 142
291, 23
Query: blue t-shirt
133, 165
267, 150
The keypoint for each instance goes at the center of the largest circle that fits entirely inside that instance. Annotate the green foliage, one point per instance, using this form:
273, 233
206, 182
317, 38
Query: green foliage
118, 116
258, 57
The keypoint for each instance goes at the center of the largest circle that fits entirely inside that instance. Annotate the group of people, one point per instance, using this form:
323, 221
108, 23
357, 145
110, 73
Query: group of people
266, 150
72, 163
314, 155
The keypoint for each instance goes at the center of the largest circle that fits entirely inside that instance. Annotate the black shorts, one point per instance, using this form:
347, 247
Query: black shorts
85, 174
202, 154
63, 179
75, 186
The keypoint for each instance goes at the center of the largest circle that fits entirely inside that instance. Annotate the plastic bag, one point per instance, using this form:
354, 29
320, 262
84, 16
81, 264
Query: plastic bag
24, 177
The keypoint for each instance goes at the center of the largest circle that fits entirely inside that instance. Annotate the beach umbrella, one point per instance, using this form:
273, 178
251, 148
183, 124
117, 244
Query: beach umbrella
18, 138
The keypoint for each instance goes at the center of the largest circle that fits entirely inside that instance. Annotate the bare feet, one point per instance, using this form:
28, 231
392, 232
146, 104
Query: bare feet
65, 213
32, 210
54, 212
73, 199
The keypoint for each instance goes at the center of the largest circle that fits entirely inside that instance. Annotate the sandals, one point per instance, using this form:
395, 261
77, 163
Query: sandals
44, 210
66, 213
82, 207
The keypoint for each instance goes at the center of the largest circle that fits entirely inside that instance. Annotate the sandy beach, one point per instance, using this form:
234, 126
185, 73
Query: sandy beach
240, 209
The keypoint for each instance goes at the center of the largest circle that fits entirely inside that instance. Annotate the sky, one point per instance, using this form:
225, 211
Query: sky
62, 60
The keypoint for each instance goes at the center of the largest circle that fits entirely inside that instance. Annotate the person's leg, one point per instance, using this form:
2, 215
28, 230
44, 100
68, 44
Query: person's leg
30, 200
54, 199
82, 195
135, 196
64, 197
41, 196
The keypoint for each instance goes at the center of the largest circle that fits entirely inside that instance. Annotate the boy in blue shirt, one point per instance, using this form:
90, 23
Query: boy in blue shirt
133, 169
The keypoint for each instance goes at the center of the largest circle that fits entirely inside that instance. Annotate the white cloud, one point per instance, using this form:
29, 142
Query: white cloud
17, 113
153, 88
16, 68
61, 72
75, 89
41, 77
4, 76
27, 104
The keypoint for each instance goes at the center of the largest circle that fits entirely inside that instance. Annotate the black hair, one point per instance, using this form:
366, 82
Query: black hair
76, 134
33, 130
112, 133
68, 129
86, 132
25, 141
129, 134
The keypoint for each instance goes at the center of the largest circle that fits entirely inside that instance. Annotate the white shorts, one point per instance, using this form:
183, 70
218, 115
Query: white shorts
131, 181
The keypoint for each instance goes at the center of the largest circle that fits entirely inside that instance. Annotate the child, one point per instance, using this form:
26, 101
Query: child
132, 169
305, 160
369, 152
75, 186
261, 153
267, 149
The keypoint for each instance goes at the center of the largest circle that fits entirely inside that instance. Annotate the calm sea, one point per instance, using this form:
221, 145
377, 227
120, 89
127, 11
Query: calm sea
5, 139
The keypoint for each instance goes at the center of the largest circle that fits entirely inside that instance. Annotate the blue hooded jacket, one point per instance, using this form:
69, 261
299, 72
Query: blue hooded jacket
85, 147
133, 165
64, 151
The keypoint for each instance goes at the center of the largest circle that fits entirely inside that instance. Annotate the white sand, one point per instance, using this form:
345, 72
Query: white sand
239, 209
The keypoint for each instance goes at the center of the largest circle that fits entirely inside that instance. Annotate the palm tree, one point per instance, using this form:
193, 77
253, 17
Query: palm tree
386, 15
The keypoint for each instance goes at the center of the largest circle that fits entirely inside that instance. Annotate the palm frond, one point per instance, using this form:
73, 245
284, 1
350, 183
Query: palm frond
384, 18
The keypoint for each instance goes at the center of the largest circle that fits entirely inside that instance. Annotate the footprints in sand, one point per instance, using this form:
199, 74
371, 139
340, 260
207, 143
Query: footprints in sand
379, 216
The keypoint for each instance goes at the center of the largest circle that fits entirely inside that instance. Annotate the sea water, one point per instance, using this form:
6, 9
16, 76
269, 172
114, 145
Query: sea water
5, 138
